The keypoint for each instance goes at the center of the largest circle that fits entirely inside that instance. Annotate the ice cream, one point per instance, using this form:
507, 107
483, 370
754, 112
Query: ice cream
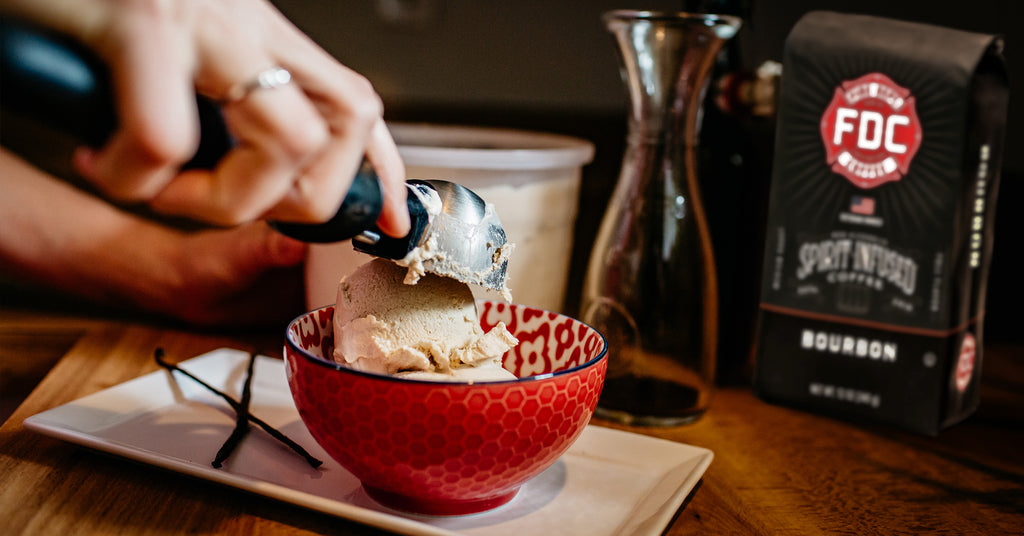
426, 330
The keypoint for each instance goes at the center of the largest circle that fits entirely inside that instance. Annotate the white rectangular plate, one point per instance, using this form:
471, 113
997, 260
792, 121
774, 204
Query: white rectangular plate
608, 483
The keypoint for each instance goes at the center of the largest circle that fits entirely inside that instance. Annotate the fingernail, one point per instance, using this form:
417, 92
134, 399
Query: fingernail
398, 225
404, 223
84, 161
286, 251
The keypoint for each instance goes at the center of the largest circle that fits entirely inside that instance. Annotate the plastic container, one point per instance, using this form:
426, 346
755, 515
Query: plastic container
533, 180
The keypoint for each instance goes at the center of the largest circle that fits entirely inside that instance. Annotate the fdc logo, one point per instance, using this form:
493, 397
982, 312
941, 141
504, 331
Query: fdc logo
871, 130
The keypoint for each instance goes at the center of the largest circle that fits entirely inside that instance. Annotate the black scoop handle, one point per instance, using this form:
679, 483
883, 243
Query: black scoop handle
63, 84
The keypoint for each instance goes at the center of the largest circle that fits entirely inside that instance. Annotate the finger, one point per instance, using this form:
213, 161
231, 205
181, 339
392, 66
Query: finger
354, 110
233, 257
320, 189
383, 154
349, 108
151, 142
251, 275
274, 142
264, 248
278, 133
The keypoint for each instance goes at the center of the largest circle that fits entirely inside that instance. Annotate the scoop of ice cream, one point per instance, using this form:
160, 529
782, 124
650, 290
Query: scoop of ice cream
386, 326
489, 371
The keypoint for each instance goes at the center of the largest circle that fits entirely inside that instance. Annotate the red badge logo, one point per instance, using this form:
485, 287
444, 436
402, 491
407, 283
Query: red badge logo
965, 365
871, 130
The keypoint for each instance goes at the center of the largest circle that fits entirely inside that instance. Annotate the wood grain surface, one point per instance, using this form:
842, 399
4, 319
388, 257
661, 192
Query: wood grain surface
776, 470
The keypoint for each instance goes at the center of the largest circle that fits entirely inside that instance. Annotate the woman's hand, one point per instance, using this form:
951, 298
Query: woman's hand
298, 145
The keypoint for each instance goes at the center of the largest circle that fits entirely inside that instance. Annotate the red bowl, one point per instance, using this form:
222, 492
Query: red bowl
450, 448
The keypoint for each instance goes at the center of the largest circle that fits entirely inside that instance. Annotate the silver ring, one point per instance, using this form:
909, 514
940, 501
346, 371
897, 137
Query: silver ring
271, 78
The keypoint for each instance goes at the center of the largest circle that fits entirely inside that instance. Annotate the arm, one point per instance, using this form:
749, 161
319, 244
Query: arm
297, 145
56, 235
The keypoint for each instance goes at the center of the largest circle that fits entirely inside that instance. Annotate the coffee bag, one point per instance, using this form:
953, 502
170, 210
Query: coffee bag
880, 220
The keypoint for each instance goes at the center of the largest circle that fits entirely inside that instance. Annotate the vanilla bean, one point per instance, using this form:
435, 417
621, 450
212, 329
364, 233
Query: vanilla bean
158, 354
241, 418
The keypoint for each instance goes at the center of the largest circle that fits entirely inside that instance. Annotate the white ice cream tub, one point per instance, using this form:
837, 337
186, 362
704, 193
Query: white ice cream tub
533, 180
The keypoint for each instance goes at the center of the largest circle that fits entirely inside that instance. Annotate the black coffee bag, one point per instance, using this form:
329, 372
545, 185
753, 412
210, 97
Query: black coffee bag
879, 232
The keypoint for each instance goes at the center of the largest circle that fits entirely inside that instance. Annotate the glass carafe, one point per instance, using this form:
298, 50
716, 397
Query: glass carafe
650, 285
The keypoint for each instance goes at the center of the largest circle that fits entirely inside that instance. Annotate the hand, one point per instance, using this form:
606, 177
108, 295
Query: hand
245, 276
298, 145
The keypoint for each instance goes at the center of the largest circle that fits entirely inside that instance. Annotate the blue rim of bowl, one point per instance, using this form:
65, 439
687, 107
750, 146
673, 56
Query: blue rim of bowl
538, 377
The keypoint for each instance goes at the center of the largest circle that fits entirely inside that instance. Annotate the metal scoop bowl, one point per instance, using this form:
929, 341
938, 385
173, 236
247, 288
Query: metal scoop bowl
465, 238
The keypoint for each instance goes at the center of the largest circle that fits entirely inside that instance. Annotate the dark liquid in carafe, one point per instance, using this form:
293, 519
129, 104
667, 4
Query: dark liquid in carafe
646, 396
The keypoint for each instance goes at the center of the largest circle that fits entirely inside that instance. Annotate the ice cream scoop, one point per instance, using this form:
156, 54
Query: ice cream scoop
454, 233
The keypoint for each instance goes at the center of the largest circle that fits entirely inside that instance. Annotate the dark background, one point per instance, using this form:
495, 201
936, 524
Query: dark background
550, 65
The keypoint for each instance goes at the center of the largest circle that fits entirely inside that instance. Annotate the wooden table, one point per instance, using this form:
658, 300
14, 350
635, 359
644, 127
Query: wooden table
776, 470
